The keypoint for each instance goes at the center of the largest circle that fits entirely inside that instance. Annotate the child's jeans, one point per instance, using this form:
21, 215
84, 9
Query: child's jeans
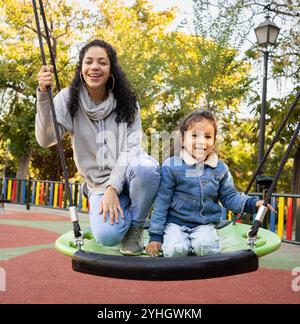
136, 199
182, 240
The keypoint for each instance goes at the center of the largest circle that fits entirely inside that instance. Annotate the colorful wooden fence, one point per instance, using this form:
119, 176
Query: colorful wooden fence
51, 194
43, 193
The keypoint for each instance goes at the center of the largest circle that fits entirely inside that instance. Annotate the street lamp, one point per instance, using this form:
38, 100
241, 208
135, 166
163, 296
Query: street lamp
266, 34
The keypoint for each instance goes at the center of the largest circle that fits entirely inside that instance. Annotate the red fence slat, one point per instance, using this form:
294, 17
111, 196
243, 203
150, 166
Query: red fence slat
289, 219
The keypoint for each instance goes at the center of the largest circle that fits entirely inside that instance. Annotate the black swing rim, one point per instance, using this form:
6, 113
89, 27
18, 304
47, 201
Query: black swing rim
162, 268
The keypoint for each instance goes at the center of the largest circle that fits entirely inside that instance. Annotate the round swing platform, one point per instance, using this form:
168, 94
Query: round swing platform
235, 258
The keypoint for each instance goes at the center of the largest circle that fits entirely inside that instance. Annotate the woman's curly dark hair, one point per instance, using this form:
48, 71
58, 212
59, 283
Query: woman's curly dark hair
123, 92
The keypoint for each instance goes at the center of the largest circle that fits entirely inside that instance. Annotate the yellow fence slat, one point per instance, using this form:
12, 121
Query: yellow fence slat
55, 195
84, 203
280, 217
37, 193
73, 192
9, 189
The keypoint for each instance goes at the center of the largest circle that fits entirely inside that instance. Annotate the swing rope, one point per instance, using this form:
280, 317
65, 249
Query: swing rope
72, 208
262, 162
52, 58
263, 209
274, 141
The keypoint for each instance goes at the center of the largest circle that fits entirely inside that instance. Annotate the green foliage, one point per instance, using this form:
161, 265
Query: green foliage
20, 62
172, 72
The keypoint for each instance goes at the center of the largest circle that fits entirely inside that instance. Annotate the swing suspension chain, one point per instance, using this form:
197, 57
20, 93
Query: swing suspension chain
262, 162
282, 164
263, 209
285, 156
73, 210
58, 88
274, 141
52, 108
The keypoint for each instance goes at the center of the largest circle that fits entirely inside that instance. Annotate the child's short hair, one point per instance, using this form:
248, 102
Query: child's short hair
196, 116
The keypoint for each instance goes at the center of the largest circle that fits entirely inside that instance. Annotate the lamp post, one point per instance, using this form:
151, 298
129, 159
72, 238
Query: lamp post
266, 34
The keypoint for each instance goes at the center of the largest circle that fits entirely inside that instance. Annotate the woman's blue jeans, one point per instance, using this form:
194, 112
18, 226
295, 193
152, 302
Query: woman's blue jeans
136, 199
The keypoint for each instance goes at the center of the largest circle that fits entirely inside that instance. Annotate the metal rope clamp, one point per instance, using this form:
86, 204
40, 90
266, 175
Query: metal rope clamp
78, 240
251, 240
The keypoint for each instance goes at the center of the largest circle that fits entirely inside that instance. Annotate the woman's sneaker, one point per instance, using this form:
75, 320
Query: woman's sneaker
133, 242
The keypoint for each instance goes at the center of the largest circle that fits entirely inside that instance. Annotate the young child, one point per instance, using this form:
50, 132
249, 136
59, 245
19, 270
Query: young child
192, 185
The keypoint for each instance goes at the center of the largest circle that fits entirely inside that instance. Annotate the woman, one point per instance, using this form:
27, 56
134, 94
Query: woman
101, 113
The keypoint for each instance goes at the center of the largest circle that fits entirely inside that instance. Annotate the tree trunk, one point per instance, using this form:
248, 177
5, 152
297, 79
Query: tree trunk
23, 165
296, 190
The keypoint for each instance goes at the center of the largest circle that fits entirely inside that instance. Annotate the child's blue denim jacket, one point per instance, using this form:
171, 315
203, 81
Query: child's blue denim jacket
190, 194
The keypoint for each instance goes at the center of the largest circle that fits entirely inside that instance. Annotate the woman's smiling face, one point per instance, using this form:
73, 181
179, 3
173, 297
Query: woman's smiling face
96, 68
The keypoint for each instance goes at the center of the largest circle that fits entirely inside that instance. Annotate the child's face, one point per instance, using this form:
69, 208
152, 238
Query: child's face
199, 139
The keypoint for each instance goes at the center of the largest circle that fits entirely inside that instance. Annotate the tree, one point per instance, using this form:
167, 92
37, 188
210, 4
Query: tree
237, 18
172, 72
19, 64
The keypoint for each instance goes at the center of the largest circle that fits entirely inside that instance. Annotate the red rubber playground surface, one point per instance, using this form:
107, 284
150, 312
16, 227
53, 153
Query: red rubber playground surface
36, 273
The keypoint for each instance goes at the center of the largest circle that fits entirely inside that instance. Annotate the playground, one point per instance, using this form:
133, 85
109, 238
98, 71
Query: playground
37, 273
251, 253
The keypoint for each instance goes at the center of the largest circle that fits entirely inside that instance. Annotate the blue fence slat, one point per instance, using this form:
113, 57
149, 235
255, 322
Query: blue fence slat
272, 215
33, 192
5, 188
23, 191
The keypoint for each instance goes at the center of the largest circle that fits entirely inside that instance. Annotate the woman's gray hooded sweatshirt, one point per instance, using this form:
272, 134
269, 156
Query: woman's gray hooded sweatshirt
102, 147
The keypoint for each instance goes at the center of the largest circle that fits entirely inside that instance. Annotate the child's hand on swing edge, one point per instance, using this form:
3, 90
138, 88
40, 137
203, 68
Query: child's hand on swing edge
260, 202
153, 249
